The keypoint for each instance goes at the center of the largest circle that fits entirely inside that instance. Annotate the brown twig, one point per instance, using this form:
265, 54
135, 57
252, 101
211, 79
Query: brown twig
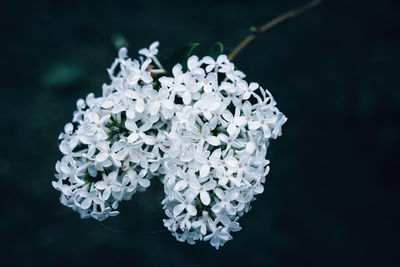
258, 31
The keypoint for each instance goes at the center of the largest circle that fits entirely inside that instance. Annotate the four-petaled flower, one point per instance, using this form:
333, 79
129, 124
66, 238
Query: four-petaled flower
184, 203
108, 184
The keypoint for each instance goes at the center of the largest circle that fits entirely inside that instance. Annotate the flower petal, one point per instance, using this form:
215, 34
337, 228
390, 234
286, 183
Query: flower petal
178, 209
253, 125
250, 147
232, 129
102, 156
213, 140
182, 184
168, 104
86, 203
187, 98
191, 210
205, 198
204, 170
106, 193
139, 105
132, 137
239, 121
144, 183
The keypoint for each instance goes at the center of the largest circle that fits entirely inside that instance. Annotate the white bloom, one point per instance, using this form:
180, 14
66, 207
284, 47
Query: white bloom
89, 198
186, 179
225, 201
202, 223
158, 100
137, 131
141, 74
151, 51
234, 121
204, 132
202, 189
221, 61
108, 184
184, 204
219, 237
107, 152
207, 136
134, 179
194, 67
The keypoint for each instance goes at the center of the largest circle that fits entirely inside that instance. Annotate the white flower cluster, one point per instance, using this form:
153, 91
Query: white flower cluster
205, 131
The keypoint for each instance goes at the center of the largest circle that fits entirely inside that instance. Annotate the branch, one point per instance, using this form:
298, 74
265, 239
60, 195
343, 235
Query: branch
258, 31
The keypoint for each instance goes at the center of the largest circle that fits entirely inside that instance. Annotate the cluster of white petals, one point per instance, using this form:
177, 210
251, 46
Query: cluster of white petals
204, 131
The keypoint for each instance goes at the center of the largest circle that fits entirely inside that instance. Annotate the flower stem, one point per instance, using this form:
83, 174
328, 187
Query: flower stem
270, 24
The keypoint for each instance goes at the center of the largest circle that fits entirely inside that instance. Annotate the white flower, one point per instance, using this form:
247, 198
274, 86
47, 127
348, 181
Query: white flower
202, 223
231, 73
234, 121
229, 140
107, 152
89, 198
65, 189
188, 92
156, 142
174, 83
157, 100
265, 120
108, 184
141, 74
186, 179
208, 105
186, 117
219, 237
225, 201
137, 131
69, 169
151, 51
209, 83
228, 177
204, 132
222, 60
139, 95
202, 189
207, 136
246, 89
133, 179
193, 64
184, 204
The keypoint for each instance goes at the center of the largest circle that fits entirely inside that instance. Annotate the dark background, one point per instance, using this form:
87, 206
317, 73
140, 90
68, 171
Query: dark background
331, 198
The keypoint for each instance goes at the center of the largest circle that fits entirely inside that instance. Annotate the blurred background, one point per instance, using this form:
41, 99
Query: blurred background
332, 196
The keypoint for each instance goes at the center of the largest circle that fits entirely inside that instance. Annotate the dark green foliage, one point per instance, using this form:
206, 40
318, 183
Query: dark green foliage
216, 50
